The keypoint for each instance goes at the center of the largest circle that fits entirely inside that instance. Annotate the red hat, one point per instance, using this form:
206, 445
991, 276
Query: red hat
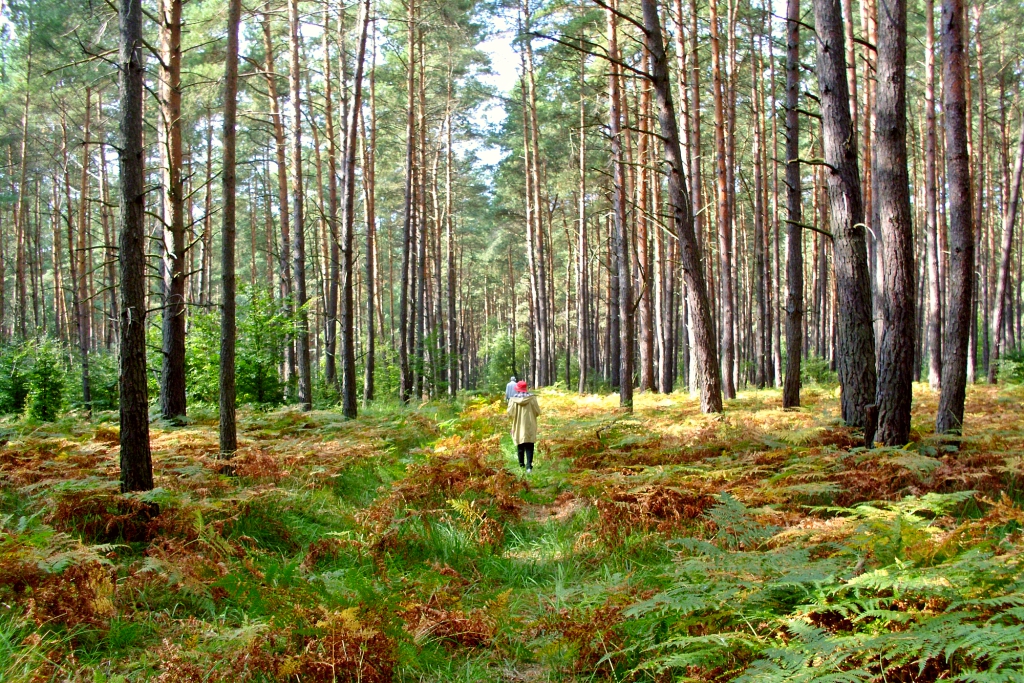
521, 385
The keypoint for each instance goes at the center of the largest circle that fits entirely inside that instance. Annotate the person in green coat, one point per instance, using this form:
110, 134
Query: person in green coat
523, 408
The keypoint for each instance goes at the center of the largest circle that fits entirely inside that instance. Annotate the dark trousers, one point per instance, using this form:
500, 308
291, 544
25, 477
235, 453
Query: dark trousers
527, 450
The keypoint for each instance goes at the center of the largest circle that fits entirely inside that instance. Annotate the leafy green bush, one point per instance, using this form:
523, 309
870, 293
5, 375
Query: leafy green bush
46, 382
1011, 368
816, 370
500, 361
262, 331
15, 365
103, 379
202, 357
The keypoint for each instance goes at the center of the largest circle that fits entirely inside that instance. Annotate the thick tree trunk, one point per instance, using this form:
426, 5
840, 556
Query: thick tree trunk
894, 220
136, 461
302, 360
794, 233
172, 378
228, 434
708, 372
856, 344
961, 230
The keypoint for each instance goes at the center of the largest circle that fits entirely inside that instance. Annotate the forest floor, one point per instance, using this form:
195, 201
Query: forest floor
407, 545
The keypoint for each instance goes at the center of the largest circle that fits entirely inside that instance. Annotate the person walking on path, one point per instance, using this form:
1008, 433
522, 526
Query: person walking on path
510, 389
523, 408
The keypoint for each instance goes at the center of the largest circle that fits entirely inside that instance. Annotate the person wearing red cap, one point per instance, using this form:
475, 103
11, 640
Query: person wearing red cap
523, 408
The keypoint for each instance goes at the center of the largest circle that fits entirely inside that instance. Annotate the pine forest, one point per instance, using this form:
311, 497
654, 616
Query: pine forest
513, 341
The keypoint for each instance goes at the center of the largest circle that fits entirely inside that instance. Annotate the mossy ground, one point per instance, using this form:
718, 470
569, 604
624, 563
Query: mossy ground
407, 545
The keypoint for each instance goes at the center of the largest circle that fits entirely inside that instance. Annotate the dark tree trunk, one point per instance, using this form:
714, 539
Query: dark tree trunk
172, 380
408, 225
79, 272
228, 434
727, 323
960, 286
855, 338
136, 461
708, 372
348, 337
582, 286
369, 186
760, 350
302, 360
623, 307
794, 233
893, 219
334, 251
930, 201
284, 265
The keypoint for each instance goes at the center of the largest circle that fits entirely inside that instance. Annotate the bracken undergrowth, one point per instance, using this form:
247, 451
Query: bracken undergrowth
407, 545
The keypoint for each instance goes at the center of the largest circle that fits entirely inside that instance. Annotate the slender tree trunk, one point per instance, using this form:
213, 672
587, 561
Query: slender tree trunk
708, 369
284, 264
794, 233
581, 239
369, 187
894, 220
410, 203
620, 239
726, 324
81, 291
930, 194
543, 313
206, 243
302, 360
452, 350
172, 380
1003, 284
644, 227
961, 230
331, 307
109, 251
348, 347
136, 462
21, 203
228, 435
760, 352
59, 312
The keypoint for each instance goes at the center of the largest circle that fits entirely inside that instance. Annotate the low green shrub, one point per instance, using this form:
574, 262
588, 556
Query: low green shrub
15, 366
45, 400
